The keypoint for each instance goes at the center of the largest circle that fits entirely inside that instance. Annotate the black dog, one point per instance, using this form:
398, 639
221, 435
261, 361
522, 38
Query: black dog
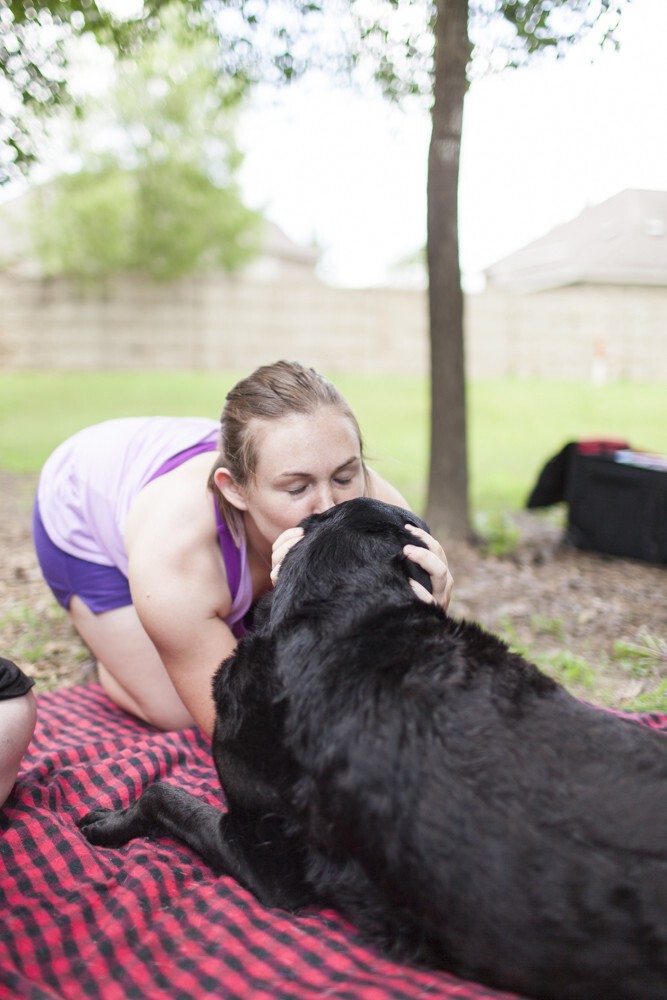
461, 808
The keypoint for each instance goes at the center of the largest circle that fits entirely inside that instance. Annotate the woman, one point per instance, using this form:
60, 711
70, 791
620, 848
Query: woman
157, 574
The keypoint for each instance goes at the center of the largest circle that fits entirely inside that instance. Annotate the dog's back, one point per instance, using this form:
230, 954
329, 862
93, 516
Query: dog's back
460, 806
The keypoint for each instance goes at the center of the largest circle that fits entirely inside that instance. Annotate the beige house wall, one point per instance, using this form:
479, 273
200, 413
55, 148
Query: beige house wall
580, 331
217, 322
221, 322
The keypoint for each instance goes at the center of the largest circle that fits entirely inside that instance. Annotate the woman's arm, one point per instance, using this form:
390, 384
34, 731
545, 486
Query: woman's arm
192, 654
177, 608
179, 585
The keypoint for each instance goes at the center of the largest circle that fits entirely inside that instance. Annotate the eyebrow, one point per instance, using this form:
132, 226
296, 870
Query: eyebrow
303, 475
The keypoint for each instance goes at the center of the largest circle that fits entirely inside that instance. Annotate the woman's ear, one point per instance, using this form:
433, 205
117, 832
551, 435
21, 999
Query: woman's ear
230, 489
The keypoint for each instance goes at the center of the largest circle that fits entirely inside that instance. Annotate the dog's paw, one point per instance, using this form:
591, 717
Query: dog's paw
104, 827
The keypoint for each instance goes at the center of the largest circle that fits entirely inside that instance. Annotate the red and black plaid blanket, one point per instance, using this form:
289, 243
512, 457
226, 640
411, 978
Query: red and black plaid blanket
151, 920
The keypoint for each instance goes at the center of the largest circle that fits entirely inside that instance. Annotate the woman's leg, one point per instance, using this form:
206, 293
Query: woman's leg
129, 668
17, 722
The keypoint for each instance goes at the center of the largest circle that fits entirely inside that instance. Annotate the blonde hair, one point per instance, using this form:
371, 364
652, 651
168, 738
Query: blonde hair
271, 392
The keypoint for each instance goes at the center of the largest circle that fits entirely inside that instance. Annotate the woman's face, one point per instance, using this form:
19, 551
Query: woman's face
306, 463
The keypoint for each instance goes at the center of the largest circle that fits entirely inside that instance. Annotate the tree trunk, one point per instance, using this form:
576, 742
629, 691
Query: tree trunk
447, 506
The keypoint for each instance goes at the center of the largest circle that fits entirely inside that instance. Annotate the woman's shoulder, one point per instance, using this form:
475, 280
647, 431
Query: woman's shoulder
380, 489
171, 529
175, 510
178, 567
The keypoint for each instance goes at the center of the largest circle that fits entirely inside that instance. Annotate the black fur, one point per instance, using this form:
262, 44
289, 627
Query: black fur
461, 808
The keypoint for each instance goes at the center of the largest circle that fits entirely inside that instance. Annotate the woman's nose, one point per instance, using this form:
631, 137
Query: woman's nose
323, 498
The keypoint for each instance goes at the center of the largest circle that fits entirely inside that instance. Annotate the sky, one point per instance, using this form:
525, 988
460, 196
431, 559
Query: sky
539, 145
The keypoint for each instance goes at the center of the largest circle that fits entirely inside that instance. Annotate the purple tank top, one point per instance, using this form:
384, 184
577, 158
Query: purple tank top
234, 558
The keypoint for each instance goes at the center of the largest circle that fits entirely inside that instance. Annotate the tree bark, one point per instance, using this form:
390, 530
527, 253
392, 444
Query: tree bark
447, 506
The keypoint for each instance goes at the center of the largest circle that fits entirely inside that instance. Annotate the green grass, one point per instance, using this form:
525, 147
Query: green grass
514, 425
650, 701
646, 657
568, 668
38, 410
498, 530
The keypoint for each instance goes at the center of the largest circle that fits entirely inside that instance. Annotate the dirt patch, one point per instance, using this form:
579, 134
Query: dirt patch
598, 624
34, 630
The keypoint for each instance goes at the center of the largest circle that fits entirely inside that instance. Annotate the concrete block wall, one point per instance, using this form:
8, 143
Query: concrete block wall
577, 332
217, 321
213, 322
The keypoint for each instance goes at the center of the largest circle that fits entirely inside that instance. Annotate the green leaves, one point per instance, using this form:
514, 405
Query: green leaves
34, 63
166, 220
275, 41
518, 29
82, 224
156, 192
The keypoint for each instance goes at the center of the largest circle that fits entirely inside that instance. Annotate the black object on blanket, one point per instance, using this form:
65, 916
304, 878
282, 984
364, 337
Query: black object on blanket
459, 806
13, 682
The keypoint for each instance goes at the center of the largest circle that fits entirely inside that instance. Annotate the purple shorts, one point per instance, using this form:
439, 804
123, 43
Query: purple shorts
102, 588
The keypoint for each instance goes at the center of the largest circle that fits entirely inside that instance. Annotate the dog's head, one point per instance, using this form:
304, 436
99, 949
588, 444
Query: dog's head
356, 545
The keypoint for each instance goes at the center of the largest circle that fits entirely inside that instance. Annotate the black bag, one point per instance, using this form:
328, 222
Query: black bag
617, 508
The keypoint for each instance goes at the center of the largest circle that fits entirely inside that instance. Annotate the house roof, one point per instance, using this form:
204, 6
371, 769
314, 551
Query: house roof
622, 240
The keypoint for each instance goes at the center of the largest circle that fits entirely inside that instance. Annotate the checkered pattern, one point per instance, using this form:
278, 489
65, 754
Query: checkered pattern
150, 920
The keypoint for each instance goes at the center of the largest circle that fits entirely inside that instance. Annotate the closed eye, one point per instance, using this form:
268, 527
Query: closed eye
296, 491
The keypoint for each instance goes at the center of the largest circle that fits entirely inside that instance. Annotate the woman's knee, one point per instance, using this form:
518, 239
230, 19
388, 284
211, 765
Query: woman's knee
129, 667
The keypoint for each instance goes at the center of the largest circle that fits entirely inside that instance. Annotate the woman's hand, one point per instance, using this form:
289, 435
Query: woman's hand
281, 547
434, 562
431, 559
